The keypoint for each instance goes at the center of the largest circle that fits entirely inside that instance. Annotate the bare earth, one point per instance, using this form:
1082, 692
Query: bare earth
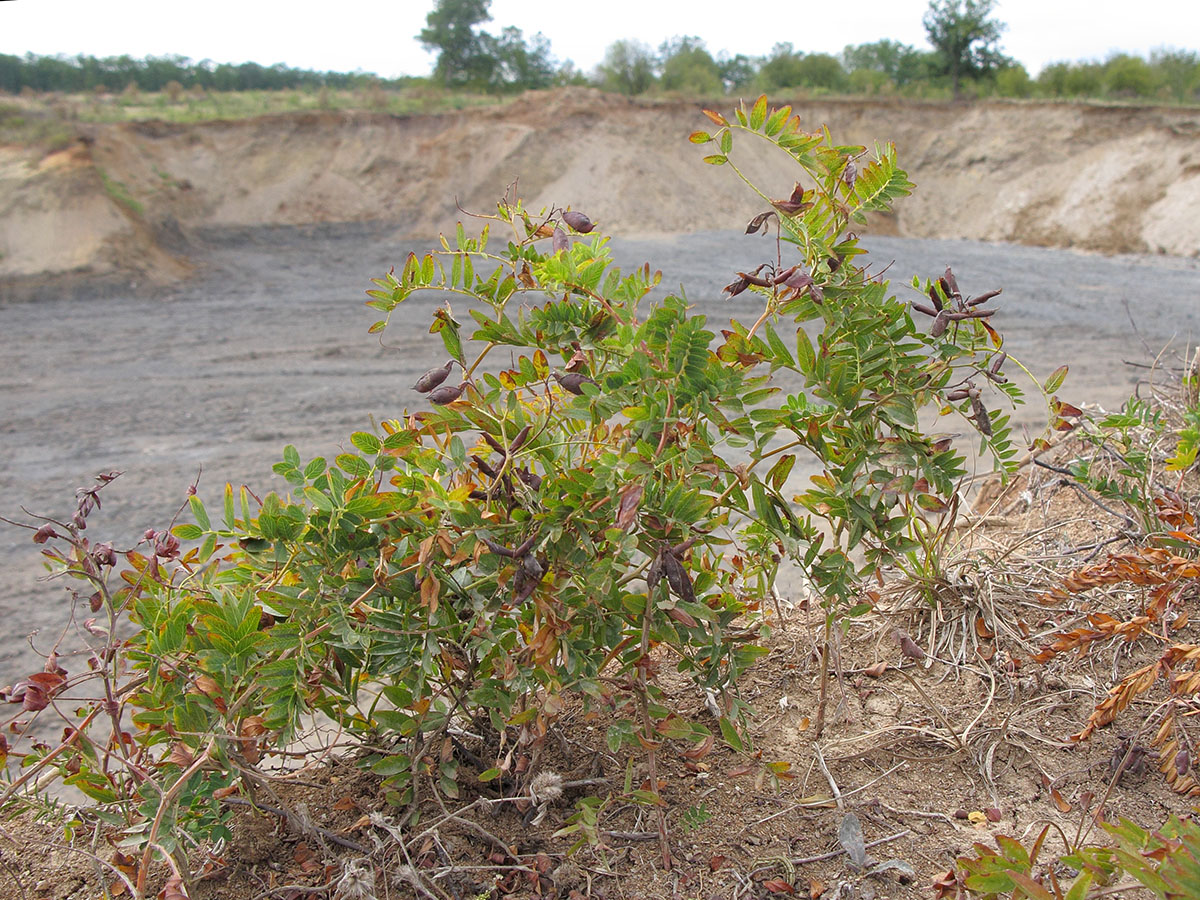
121, 203
264, 344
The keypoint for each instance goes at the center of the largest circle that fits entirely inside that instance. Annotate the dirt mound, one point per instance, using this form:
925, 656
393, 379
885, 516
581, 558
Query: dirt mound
118, 204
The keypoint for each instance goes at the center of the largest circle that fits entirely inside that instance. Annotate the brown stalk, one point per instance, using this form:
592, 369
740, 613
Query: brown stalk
664, 845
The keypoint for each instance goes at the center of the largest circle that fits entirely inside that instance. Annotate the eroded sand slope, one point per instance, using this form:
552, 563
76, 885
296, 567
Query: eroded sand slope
1110, 179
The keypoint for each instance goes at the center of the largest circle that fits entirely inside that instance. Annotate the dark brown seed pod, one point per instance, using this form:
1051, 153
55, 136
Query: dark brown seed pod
519, 441
958, 394
677, 576
533, 567
979, 412
433, 378
952, 284
483, 467
759, 222
561, 241
799, 280
655, 572
939, 324
1183, 762
578, 221
446, 393
736, 287
573, 381
532, 479
984, 297
997, 363
935, 297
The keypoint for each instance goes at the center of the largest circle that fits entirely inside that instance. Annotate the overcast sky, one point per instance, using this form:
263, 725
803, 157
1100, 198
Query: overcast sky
379, 35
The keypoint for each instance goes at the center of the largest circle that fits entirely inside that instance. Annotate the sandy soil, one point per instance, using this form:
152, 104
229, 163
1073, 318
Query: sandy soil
121, 204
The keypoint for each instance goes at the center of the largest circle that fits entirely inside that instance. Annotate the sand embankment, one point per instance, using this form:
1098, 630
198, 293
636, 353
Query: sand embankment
121, 204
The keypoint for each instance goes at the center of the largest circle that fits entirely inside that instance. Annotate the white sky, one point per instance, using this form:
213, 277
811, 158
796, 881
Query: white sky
378, 35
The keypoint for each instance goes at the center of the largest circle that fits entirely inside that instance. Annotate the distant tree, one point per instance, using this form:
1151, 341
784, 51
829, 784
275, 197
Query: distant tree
1014, 81
965, 38
901, 63
785, 67
463, 56
1130, 76
736, 71
687, 66
820, 70
520, 65
1179, 71
1065, 79
568, 75
10, 73
628, 68
781, 68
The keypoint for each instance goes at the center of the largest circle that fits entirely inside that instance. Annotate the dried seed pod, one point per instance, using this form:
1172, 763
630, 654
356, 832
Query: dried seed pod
997, 363
758, 223
519, 441
736, 287
533, 566
799, 280
654, 574
939, 324
446, 393
433, 378
530, 478
984, 297
483, 467
578, 221
785, 274
951, 285
1183, 762
979, 412
958, 394
850, 173
677, 576
573, 381
935, 297
561, 241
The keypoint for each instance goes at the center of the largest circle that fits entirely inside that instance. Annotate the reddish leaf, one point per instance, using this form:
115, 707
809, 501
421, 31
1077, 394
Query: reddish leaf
778, 886
699, 751
631, 498
877, 670
1059, 801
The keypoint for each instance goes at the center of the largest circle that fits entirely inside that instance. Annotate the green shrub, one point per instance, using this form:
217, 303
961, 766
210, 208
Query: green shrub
556, 529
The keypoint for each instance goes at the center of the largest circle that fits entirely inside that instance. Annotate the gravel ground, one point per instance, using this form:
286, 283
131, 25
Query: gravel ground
268, 346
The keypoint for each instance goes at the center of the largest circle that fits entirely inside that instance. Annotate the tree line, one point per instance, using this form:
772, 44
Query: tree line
154, 73
964, 59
